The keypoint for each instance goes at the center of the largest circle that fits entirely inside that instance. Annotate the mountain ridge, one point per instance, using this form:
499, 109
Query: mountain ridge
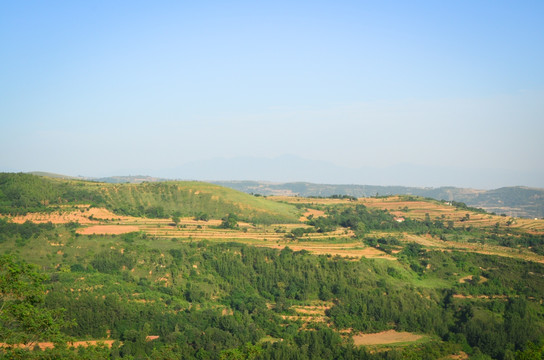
290, 168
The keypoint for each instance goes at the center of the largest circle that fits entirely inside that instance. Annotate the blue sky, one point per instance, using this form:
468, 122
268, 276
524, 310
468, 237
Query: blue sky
124, 87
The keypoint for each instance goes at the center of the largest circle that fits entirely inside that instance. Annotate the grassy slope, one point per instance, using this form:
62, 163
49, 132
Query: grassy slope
26, 193
191, 198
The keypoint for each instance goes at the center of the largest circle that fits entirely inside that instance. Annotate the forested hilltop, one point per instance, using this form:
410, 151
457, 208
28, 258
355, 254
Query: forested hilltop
88, 271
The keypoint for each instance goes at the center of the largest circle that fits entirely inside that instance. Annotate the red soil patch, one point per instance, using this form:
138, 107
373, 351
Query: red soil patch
87, 343
385, 337
82, 215
108, 229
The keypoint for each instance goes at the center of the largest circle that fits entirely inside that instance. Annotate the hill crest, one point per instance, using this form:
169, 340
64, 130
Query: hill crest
22, 193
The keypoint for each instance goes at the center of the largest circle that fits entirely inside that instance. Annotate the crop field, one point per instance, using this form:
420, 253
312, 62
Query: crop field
341, 242
83, 214
480, 248
385, 338
437, 210
418, 209
76, 344
309, 314
335, 243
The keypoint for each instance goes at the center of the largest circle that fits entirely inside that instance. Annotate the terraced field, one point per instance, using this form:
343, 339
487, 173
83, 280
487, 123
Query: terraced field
418, 210
341, 242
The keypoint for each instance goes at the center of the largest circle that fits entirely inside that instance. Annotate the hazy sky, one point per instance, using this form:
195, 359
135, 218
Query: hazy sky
123, 87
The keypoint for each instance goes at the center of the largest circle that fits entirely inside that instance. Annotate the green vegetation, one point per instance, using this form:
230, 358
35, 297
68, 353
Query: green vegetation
212, 298
23, 319
161, 297
158, 200
230, 222
23, 193
361, 220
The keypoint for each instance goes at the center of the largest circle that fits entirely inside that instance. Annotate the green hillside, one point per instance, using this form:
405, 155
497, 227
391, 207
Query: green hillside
202, 300
191, 198
22, 193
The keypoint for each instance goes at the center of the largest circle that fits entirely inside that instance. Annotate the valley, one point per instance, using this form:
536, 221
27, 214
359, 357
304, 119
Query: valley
185, 270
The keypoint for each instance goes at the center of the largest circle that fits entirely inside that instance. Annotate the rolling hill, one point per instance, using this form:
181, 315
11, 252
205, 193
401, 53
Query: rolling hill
387, 277
517, 201
512, 201
21, 193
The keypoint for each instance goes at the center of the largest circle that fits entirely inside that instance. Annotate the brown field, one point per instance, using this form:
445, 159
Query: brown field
313, 212
417, 209
50, 345
486, 249
75, 344
316, 309
437, 210
260, 235
344, 250
385, 337
469, 278
107, 229
83, 214
336, 243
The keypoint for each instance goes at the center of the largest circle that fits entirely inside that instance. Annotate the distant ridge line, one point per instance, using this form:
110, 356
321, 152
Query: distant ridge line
517, 201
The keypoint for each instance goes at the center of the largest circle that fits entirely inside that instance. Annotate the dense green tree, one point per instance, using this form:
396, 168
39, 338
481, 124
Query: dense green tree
23, 319
176, 219
230, 222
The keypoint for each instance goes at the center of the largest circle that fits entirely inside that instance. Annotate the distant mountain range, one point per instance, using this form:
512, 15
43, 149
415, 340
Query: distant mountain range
132, 179
289, 168
512, 201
